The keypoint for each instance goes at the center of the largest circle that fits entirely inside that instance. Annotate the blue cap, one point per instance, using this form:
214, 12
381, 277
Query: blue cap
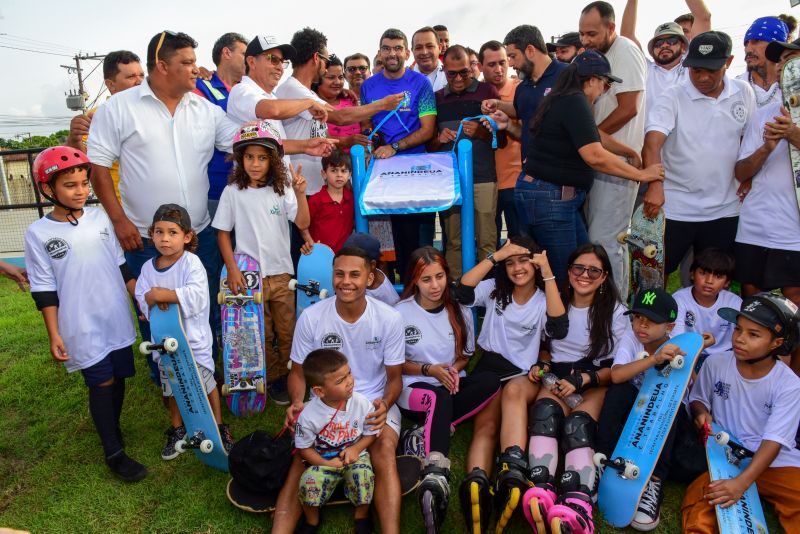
594, 63
767, 29
366, 242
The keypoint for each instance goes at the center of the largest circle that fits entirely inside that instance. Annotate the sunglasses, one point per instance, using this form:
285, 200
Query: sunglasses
359, 68
576, 270
161, 40
671, 41
455, 73
326, 59
277, 60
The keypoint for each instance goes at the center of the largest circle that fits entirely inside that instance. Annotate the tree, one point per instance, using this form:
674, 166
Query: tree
36, 141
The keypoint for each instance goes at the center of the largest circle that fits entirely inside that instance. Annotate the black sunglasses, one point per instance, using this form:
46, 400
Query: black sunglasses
671, 41
453, 73
576, 269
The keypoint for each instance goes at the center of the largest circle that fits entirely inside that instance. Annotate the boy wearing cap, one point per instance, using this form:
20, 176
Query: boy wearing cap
754, 396
695, 130
381, 287
566, 47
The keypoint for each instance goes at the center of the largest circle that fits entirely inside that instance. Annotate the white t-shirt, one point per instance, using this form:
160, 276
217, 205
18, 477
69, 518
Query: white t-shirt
769, 216
701, 148
260, 217
374, 341
514, 332
659, 79
304, 126
628, 63
771, 96
752, 410
163, 158
331, 430
242, 102
81, 264
187, 277
430, 338
385, 292
692, 317
577, 343
436, 76
626, 352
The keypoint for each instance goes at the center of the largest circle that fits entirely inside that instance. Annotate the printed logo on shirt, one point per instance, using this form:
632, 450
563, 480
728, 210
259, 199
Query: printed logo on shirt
104, 235
689, 318
768, 408
722, 390
374, 343
547, 91
275, 210
56, 248
413, 335
332, 340
739, 112
498, 309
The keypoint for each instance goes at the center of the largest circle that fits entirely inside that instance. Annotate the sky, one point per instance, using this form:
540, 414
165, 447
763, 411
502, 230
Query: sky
33, 94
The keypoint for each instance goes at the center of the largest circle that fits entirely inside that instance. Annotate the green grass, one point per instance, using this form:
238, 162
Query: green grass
53, 479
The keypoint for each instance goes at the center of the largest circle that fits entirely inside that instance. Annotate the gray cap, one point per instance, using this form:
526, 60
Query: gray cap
665, 30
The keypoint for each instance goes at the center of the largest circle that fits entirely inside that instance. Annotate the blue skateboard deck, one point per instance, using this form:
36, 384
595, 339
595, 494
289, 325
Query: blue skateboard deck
244, 364
639, 446
314, 277
724, 463
202, 433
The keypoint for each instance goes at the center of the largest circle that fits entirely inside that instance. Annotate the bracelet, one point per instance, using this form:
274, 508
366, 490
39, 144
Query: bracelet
425, 368
385, 404
548, 278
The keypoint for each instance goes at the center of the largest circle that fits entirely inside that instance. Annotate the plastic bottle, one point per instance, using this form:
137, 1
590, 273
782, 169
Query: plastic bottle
549, 381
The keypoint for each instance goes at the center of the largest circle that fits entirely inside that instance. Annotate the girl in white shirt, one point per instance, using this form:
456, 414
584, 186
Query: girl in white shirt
582, 362
436, 392
258, 204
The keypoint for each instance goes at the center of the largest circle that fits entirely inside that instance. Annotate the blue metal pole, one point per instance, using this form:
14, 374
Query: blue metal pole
359, 183
467, 205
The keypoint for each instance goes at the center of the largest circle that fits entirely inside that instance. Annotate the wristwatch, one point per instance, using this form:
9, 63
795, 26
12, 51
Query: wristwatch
396, 147
490, 257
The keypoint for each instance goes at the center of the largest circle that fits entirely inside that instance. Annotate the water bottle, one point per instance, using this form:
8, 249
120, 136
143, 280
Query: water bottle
549, 380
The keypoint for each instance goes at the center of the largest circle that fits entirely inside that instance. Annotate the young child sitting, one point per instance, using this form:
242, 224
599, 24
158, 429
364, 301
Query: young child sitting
332, 440
332, 209
78, 278
176, 276
754, 396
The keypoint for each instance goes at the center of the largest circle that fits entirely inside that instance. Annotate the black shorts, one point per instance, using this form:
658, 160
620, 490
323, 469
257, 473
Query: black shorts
494, 362
117, 364
767, 268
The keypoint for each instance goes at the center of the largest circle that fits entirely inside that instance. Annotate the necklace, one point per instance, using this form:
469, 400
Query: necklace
768, 96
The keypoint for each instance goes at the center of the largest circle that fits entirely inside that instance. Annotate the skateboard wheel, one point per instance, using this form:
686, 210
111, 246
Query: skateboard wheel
794, 101
622, 237
260, 389
292, 284
631, 471
180, 446
220, 298
206, 446
650, 251
144, 347
323, 293
677, 362
722, 438
257, 297
642, 354
170, 344
226, 390
598, 459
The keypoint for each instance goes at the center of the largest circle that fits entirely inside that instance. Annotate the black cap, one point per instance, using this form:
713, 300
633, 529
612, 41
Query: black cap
777, 313
258, 464
655, 304
594, 63
183, 220
262, 43
568, 39
366, 242
709, 50
775, 49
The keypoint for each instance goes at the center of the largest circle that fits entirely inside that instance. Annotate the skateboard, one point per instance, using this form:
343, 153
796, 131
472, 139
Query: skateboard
790, 87
626, 474
202, 433
646, 241
243, 340
314, 280
409, 468
726, 459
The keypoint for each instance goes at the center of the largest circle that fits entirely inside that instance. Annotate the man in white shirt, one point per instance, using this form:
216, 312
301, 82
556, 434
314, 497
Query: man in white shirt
762, 74
619, 113
426, 47
694, 130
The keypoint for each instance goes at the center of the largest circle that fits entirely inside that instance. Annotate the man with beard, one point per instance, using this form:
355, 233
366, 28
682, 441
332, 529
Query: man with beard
356, 70
618, 112
426, 49
566, 47
761, 74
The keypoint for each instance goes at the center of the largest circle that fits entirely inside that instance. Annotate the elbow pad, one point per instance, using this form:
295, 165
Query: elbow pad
557, 327
127, 275
45, 299
462, 294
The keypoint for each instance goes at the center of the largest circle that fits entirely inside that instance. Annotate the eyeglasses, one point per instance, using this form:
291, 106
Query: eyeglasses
671, 41
326, 59
455, 73
576, 270
474, 62
358, 68
397, 48
277, 60
161, 40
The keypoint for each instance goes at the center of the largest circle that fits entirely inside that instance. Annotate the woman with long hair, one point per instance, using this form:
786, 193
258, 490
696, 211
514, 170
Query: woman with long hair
567, 411
437, 394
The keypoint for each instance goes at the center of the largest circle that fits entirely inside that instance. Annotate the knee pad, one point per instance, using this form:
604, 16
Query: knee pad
544, 418
579, 431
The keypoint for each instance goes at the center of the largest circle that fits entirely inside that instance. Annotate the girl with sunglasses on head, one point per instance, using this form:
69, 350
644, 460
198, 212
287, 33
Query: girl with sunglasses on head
568, 411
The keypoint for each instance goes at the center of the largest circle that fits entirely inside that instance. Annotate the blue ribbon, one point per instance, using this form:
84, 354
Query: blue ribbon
491, 122
406, 102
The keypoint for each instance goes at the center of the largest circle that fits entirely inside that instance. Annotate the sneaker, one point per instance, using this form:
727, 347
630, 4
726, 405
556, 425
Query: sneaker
648, 514
174, 435
279, 392
412, 441
227, 438
125, 467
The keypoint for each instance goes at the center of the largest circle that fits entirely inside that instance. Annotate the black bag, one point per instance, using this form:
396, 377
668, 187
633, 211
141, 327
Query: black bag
260, 462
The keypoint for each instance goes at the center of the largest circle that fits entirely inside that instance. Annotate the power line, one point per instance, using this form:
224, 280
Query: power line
38, 43
36, 51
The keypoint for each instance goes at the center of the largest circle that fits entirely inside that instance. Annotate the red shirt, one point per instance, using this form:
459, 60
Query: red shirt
331, 222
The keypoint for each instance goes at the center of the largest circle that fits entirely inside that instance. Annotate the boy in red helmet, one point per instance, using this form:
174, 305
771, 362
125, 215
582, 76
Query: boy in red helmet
79, 278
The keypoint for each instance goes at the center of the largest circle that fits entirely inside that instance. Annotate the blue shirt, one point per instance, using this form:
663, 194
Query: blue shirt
215, 91
529, 94
423, 103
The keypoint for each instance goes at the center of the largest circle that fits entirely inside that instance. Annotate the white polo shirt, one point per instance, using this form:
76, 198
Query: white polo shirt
660, 79
242, 102
163, 158
436, 76
701, 148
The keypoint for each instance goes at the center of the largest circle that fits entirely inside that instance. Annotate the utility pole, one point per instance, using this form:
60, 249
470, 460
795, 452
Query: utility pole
77, 101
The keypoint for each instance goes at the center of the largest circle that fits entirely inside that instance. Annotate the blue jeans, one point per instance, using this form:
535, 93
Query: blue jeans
555, 224
506, 207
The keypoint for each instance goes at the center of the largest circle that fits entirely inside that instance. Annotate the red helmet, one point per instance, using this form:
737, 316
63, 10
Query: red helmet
56, 159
